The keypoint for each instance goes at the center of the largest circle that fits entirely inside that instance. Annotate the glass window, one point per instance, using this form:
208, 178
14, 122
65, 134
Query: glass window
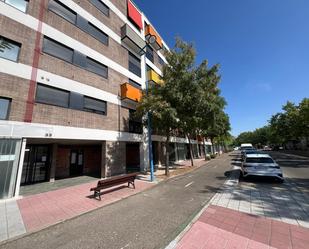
149, 53
96, 67
97, 33
18, 4
161, 61
134, 64
9, 49
52, 96
134, 83
101, 6
259, 160
62, 10
4, 108
94, 105
58, 50
76, 101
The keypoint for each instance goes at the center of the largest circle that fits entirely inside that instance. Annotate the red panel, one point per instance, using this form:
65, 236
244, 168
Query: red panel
135, 15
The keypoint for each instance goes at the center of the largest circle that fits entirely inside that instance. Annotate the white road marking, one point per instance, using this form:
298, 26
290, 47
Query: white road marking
189, 184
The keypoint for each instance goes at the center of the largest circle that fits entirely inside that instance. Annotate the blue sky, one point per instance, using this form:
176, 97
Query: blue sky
262, 46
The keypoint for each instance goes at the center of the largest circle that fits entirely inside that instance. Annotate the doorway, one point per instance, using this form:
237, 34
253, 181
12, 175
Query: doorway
76, 162
36, 164
132, 157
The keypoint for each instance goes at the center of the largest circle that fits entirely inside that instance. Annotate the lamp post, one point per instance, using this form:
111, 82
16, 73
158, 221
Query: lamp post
149, 40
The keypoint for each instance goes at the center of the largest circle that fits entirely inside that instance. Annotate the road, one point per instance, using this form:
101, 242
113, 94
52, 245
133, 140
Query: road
150, 219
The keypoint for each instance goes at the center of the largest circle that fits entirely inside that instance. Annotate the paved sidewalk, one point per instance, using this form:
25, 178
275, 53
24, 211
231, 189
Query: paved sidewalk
37, 211
11, 222
224, 228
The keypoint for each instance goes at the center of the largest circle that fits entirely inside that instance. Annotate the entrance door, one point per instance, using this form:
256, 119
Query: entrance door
132, 157
76, 162
36, 164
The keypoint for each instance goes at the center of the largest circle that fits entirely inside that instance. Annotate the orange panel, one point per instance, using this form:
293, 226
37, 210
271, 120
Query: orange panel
150, 31
130, 92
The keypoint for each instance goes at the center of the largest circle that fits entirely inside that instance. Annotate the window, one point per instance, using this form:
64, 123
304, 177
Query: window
149, 53
62, 10
96, 67
161, 61
135, 123
101, 6
57, 49
134, 83
9, 49
4, 108
134, 64
52, 96
76, 101
18, 4
94, 105
97, 33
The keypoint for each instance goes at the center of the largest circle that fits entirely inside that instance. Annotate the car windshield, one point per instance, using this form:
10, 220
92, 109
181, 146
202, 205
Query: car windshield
259, 160
251, 152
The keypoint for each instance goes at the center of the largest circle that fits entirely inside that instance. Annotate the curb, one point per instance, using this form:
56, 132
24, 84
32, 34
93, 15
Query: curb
232, 181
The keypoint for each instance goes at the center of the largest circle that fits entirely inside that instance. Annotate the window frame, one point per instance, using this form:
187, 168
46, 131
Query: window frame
93, 110
14, 43
99, 30
150, 52
108, 9
27, 6
55, 88
95, 61
140, 67
52, 40
65, 7
8, 109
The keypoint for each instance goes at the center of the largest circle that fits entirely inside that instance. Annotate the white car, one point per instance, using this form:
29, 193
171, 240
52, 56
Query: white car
261, 165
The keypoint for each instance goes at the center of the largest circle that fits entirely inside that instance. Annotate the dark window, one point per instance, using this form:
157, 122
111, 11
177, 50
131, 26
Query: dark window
82, 23
79, 59
134, 83
135, 123
161, 61
9, 49
76, 101
4, 108
52, 96
18, 4
94, 105
62, 10
134, 64
97, 33
58, 50
149, 53
101, 6
96, 67
259, 160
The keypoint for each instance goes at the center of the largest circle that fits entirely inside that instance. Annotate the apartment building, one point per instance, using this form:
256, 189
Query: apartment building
71, 75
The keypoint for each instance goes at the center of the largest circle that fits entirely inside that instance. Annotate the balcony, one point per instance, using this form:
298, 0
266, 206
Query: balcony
130, 93
132, 40
154, 77
150, 31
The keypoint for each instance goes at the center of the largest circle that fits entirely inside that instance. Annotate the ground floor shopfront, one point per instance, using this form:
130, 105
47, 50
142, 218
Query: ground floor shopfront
71, 152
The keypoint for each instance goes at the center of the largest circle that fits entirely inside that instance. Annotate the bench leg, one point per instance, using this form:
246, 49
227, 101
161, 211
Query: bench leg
97, 193
132, 183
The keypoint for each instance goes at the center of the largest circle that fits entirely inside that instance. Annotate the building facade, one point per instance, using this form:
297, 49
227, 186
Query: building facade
71, 74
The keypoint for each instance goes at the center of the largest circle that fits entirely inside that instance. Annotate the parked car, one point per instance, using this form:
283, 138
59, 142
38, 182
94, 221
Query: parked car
246, 146
246, 152
261, 165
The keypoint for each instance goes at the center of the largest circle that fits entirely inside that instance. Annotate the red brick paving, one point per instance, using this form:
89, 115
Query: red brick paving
41, 210
223, 228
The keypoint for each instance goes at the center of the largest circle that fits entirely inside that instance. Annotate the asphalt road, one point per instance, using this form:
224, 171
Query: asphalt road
150, 219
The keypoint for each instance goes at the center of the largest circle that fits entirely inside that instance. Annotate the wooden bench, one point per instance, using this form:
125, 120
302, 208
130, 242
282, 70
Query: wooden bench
113, 181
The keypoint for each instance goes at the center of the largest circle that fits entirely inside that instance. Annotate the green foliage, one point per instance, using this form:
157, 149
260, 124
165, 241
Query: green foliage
291, 124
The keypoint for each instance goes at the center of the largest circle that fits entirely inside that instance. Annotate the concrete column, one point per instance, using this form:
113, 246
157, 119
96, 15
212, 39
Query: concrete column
176, 152
53, 163
20, 167
144, 151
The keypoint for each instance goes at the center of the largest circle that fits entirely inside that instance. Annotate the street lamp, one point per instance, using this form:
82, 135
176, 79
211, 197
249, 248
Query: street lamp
149, 41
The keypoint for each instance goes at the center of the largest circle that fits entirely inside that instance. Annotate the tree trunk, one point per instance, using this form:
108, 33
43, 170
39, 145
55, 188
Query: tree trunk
190, 149
167, 158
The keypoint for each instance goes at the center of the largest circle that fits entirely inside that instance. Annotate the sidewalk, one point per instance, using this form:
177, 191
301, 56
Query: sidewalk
38, 211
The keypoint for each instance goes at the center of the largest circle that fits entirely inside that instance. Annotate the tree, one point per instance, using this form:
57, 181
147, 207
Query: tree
4, 45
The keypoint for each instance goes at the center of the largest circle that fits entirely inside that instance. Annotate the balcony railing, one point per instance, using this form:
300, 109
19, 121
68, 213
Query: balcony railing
131, 93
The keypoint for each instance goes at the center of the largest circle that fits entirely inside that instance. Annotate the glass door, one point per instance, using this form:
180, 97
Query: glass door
76, 162
36, 164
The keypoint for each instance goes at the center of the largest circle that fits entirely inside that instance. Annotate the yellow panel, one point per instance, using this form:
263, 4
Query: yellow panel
153, 76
